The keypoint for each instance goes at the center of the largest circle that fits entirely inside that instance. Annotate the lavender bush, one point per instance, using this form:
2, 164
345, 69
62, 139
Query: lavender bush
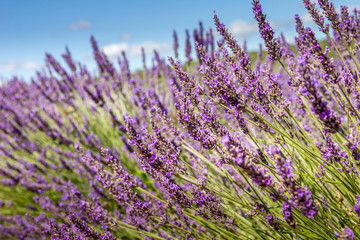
222, 147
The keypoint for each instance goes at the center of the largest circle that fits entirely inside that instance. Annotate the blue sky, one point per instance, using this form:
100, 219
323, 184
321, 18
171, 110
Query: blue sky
28, 29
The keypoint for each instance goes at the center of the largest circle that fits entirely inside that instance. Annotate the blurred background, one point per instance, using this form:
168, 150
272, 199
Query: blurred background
29, 29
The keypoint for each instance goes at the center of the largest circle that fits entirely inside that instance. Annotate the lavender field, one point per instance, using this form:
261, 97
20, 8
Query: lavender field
222, 146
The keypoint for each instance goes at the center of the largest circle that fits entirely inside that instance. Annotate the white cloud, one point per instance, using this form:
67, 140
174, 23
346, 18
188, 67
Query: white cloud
306, 18
6, 67
115, 49
15, 66
29, 65
126, 37
134, 50
351, 7
80, 25
241, 27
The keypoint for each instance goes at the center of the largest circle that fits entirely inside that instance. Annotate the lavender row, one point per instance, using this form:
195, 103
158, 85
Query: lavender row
221, 146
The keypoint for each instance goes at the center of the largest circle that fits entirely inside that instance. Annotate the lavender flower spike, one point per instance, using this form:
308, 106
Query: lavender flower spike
357, 206
176, 45
288, 216
330, 13
266, 32
301, 198
188, 47
314, 13
347, 234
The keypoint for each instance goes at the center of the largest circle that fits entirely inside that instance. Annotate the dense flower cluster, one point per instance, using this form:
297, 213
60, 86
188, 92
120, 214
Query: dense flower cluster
225, 145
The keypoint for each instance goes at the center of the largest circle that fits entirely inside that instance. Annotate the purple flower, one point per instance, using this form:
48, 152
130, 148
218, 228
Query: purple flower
330, 13
273, 222
357, 206
176, 44
332, 152
286, 210
188, 47
301, 198
266, 32
102, 61
319, 105
230, 40
314, 13
68, 59
257, 173
85, 230
347, 24
347, 234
